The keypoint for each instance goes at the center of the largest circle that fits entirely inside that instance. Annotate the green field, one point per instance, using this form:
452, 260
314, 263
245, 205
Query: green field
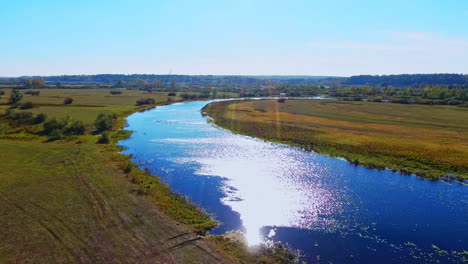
430, 141
87, 104
75, 201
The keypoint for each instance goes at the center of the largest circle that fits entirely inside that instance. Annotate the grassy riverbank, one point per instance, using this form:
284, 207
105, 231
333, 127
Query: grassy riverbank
75, 201
430, 141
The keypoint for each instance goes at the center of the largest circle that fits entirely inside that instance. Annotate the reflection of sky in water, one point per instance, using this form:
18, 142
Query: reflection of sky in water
249, 184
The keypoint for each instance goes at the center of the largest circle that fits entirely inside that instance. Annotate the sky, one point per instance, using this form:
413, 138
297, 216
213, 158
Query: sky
237, 37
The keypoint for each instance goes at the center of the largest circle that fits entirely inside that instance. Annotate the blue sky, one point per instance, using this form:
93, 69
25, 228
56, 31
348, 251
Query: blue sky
256, 37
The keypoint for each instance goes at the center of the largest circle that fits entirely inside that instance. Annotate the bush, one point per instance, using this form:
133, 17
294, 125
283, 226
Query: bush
128, 167
75, 128
104, 138
68, 100
26, 105
281, 100
40, 118
114, 92
54, 124
56, 134
2, 92
400, 101
426, 101
171, 94
145, 101
187, 96
24, 117
105, 122
60, 128
15, 97
33, 92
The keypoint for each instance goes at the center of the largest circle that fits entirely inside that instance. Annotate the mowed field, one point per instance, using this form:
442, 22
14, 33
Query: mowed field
87, 104
63, 202
430, 141
74, 201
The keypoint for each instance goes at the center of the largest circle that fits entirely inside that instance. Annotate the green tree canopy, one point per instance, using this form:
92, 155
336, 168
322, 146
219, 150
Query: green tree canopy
15, 96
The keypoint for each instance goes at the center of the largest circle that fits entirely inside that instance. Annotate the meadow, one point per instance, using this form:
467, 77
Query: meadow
75, 201
87, 103
430, 141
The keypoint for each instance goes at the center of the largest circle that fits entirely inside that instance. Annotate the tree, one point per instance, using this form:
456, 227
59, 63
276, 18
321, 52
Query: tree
140, 84
104, 138
27, 105
38, 83
68, 100
75, 128
172, 85
104, 122
156, 84
120, 83
145, 101
15, 96
28, 83
389, 91
35, 83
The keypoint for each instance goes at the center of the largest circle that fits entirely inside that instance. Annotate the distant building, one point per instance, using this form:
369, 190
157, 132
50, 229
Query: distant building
282, 94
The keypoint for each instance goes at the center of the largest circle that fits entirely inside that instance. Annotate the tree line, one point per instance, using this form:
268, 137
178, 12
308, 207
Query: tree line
407, 79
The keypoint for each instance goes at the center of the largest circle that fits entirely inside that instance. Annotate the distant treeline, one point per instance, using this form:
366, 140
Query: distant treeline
401, 80
407, 80
201, 80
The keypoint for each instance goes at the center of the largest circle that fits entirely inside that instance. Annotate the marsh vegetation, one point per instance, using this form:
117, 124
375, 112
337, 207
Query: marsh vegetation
427, 140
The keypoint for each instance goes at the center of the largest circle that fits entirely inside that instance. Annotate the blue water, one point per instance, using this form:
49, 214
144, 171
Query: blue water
331, 210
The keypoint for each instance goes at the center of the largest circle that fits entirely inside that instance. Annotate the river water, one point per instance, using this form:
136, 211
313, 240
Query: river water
329, 209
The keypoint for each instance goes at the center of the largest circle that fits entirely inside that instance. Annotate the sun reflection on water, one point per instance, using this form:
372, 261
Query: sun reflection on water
285, 197
272, 191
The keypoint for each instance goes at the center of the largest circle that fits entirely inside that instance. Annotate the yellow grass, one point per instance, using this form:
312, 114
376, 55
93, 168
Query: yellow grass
429, 140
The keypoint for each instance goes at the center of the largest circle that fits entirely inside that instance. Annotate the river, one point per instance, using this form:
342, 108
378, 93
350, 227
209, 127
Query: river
329, 209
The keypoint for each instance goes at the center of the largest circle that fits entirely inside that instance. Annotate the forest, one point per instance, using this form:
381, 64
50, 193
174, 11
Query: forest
440, 89
400, 80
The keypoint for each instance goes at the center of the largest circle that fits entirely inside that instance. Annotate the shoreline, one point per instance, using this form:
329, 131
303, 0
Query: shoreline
447, 177
233, 244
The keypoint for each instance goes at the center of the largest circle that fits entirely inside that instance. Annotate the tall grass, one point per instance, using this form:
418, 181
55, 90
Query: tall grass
426, 140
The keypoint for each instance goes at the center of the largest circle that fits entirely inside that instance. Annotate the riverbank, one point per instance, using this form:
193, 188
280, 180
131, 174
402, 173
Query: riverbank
75, 201
429, 141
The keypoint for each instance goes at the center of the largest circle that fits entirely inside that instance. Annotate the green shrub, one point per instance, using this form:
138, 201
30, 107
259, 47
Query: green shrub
56, 134
75, 128
26, 118
40, 118
187, 96
15, 97
115, 92
171, 94
128, 167
26, 105
54, 124
145, 101
105, 122
104, 138
61, 128
68, 101
33, 92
